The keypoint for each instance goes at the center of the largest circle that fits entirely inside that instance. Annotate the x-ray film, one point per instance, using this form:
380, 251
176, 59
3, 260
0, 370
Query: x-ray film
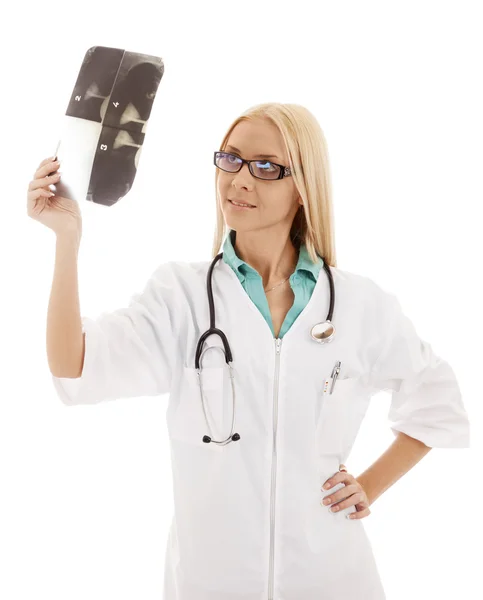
105, 123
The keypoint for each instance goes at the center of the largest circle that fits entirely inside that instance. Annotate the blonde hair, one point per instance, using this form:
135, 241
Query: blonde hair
309, 163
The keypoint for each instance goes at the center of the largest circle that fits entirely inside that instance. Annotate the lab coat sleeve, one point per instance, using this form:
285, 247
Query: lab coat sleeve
128, 352
426, 400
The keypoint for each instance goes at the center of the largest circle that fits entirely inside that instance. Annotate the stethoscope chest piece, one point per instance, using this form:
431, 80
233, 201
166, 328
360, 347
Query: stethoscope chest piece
323, 332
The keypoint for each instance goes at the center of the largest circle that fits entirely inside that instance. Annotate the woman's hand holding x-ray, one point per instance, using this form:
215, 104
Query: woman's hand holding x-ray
59, 214
351, 494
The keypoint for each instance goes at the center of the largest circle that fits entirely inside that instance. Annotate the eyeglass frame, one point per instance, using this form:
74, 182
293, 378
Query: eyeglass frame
284, 171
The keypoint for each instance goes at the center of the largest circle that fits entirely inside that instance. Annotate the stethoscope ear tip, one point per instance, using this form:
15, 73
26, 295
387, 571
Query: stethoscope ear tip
234, 438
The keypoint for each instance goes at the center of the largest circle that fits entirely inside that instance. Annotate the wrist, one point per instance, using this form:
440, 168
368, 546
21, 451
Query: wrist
69, 236
367, 489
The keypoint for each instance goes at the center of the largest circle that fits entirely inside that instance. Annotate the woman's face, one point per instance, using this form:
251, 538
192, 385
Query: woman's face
275, 201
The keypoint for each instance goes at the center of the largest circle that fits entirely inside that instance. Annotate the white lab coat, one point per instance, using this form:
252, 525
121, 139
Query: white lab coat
248, 524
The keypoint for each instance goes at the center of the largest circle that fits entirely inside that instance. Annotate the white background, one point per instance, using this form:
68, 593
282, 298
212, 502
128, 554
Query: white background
85, 499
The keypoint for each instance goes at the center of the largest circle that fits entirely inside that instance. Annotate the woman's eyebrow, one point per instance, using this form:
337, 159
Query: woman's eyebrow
256, 155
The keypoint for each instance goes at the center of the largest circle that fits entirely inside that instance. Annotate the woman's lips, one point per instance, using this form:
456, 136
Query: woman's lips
236, 206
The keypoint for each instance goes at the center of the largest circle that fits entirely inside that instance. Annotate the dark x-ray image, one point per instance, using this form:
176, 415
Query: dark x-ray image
105, 124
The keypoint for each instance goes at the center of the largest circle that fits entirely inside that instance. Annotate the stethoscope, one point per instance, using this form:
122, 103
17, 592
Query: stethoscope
321, 333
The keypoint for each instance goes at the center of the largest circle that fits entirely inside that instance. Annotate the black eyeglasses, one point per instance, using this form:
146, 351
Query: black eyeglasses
262, 169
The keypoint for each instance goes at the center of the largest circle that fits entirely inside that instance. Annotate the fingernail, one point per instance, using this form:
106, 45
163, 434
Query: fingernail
326, 486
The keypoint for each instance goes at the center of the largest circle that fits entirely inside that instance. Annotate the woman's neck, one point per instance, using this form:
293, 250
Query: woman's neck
272, 256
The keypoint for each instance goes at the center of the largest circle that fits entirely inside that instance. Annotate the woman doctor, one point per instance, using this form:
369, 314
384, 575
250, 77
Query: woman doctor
263, 407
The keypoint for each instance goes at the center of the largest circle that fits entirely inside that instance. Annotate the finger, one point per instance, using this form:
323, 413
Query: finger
49, 167
357, 498
45, 161
341, 494
43, 182
360, 514
332, 481
35, 195
339, 477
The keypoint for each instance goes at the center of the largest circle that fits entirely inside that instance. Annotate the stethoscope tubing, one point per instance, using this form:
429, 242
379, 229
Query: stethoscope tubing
318, 333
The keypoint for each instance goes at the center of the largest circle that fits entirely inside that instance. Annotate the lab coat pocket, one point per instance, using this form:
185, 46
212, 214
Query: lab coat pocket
188, 422
335, 413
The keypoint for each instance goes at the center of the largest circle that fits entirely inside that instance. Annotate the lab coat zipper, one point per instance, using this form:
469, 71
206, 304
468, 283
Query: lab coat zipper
278, 344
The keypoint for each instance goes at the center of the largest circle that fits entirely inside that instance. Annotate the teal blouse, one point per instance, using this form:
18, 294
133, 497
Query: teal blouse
302, 281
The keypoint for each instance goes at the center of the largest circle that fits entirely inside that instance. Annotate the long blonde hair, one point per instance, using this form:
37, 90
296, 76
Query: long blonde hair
309, 162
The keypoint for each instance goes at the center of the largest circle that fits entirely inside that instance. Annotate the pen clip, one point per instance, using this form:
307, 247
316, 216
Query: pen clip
334, 375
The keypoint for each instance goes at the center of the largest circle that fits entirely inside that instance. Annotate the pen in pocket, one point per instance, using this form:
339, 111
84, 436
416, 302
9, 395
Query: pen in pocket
333, 376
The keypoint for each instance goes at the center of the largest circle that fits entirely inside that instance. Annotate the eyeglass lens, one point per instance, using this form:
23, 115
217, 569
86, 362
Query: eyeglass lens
261, 168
